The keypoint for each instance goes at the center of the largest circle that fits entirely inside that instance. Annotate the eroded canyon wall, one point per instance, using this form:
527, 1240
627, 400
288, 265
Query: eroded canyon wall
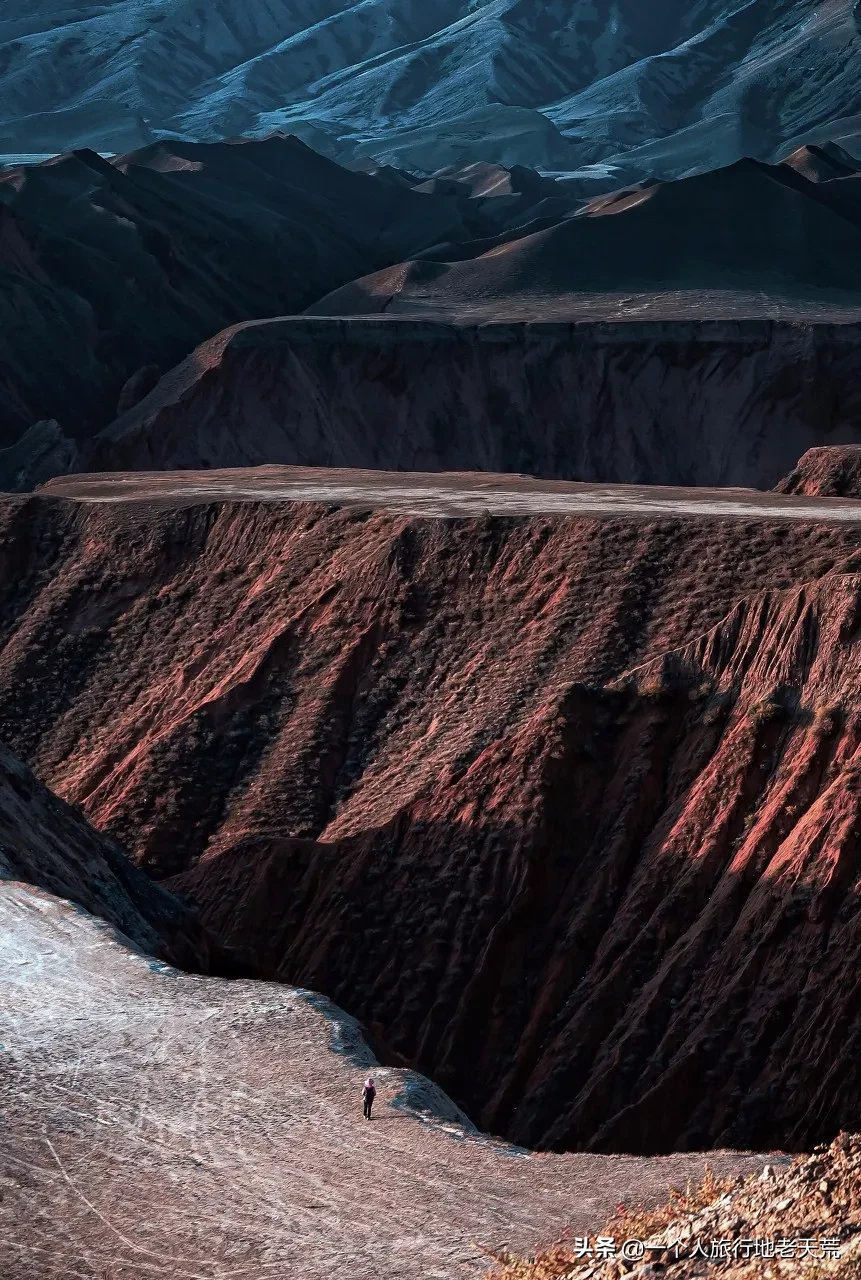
716, 403
566, 810
48, 845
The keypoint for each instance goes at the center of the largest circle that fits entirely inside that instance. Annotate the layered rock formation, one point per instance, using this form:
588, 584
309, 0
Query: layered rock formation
696, 332
744, 241
515, 333
565, 810
683, 402
679, 857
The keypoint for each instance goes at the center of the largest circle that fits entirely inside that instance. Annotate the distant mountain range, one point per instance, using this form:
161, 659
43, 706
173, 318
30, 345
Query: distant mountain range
746, 240
614, 90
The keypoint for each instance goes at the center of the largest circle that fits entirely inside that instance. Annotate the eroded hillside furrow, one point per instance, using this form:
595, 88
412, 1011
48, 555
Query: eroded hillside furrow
46, 845
566, 810
828, 472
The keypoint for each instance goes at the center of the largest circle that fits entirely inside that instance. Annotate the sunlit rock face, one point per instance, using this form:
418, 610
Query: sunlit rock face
562, 807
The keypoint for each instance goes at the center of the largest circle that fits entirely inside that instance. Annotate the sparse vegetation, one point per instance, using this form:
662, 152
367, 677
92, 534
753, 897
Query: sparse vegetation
637, 1222
827, 716
766, 711
653, 685
809, 1209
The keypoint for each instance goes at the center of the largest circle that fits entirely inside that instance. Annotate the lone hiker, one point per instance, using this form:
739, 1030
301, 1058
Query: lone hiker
368, 1094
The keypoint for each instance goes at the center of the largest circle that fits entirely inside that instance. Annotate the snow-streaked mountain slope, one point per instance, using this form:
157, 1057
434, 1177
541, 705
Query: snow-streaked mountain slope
656, 90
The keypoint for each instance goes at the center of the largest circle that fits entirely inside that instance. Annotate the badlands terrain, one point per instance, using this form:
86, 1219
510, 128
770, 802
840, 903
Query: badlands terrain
703, 331
158, 1126
430, 594
113, 272
601, 743
196, 1121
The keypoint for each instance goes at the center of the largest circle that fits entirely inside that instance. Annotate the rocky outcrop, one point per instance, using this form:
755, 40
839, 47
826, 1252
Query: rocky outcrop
807, 1214
612, 886
829, 472
563, 809
48, 844
704, 403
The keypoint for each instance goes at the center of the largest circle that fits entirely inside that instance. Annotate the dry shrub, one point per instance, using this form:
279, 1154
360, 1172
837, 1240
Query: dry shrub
827, 716
653, 685
764, 712
551, 1263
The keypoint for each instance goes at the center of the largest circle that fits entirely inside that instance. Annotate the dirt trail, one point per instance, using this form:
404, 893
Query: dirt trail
161, 1125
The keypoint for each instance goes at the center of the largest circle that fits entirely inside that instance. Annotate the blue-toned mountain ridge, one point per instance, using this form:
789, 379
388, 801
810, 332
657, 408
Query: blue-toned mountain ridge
660, 90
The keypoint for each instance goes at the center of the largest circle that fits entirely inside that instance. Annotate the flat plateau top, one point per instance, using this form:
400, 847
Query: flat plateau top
441, 494
466, 306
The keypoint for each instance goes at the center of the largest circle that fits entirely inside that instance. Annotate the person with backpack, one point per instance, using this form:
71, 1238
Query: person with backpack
369, 1092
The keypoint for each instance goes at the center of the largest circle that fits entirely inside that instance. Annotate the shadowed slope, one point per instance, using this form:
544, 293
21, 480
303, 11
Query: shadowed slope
740, 231
47, 844
644, 900
679, 402
106, 269
693, 332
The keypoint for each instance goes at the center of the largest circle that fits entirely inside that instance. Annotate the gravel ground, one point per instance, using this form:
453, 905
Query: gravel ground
156, 1124
782, 1223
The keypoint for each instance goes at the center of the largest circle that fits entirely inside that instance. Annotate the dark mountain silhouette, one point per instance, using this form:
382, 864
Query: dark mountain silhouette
109, 268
